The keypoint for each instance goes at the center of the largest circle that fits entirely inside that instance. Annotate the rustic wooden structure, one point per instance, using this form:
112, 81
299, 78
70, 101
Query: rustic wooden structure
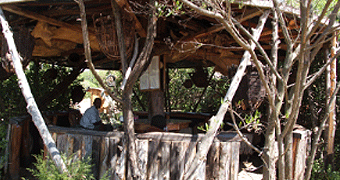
161, 155
57, 36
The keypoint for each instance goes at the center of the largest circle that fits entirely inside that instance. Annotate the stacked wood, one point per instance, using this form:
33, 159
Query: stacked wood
161, 155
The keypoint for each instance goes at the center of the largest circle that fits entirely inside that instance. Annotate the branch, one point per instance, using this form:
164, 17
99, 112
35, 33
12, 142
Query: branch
320, 18
241, 135
317, 74
120, 35
87, 50
132, 63
216, 120
284, 28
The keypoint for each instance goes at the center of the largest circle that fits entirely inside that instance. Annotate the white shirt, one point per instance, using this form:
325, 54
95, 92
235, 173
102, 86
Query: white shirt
90, 117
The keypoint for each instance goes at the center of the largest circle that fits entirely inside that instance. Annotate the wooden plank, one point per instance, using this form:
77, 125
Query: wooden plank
62, 143
70, 145
39, 17
77, 145
80, 131
167, 136
225, 160
96, 155
14, 153
113, 157
235, 147
104, 156
86, 146
2, 2
26, 144
177, 160
121, 160
201, 172
154, 154
164, 170
142, 148
213, 159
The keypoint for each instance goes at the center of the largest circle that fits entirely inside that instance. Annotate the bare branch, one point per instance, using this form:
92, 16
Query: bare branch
87, 50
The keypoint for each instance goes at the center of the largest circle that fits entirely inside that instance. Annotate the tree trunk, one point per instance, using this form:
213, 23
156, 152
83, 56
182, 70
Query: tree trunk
31, 104
216, 120
329, 158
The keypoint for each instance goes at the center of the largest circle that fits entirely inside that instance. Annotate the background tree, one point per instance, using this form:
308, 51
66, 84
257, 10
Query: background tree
284, 99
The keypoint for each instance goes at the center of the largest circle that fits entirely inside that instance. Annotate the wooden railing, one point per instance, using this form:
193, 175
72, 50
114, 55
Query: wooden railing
161, 155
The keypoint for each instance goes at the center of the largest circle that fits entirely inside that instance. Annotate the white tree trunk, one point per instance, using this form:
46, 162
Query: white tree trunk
32, 107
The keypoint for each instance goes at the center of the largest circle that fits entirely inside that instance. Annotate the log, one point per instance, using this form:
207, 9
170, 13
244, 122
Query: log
235, 160
164, 168
153, 159
177, 159
96, 156
213, 160
104, 156
142, 154
113, 157
225, 161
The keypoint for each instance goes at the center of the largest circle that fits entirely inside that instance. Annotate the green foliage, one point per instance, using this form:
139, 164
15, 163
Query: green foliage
183, 99
165, 10
319, 172
252, 121
40, 84
45, 169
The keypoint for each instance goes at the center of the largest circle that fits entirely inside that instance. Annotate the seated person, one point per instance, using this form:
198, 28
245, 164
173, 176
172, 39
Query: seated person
91, 119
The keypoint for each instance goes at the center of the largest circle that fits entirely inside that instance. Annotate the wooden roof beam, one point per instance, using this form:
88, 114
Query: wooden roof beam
126, 6
2, 2
38, 17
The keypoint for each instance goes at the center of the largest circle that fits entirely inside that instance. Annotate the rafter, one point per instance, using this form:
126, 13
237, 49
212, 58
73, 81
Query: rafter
38, 17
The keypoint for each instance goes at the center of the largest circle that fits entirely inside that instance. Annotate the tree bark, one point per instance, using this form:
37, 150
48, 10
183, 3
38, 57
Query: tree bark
329, 160
32, 107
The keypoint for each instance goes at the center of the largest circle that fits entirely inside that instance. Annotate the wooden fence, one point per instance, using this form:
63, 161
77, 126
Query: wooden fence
160, 155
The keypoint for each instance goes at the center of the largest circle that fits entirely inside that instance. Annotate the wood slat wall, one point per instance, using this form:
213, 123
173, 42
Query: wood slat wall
161, 155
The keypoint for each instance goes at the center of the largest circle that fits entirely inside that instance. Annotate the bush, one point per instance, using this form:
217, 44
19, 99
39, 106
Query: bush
46, 169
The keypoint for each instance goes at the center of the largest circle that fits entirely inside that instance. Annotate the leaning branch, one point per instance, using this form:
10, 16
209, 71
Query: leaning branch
88, 50
216, 120
32, 107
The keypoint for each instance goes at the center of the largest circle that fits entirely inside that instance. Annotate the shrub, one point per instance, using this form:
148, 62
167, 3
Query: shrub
78, 169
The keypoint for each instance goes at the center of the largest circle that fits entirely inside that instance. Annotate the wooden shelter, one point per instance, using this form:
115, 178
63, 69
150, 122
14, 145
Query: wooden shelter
182, 41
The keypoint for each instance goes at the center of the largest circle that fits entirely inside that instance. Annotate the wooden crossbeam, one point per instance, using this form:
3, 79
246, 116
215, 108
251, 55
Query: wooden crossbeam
38, 17
12, 1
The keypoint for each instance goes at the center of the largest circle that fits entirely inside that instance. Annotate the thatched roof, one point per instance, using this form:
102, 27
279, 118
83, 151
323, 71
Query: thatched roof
55, 26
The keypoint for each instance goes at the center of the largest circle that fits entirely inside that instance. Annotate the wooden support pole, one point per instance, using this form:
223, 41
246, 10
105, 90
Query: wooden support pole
14, 158
32, 107
331, 84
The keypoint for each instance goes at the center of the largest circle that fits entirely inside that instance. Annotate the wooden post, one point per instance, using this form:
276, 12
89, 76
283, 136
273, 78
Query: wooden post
331, 84
14, 158
32, 107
